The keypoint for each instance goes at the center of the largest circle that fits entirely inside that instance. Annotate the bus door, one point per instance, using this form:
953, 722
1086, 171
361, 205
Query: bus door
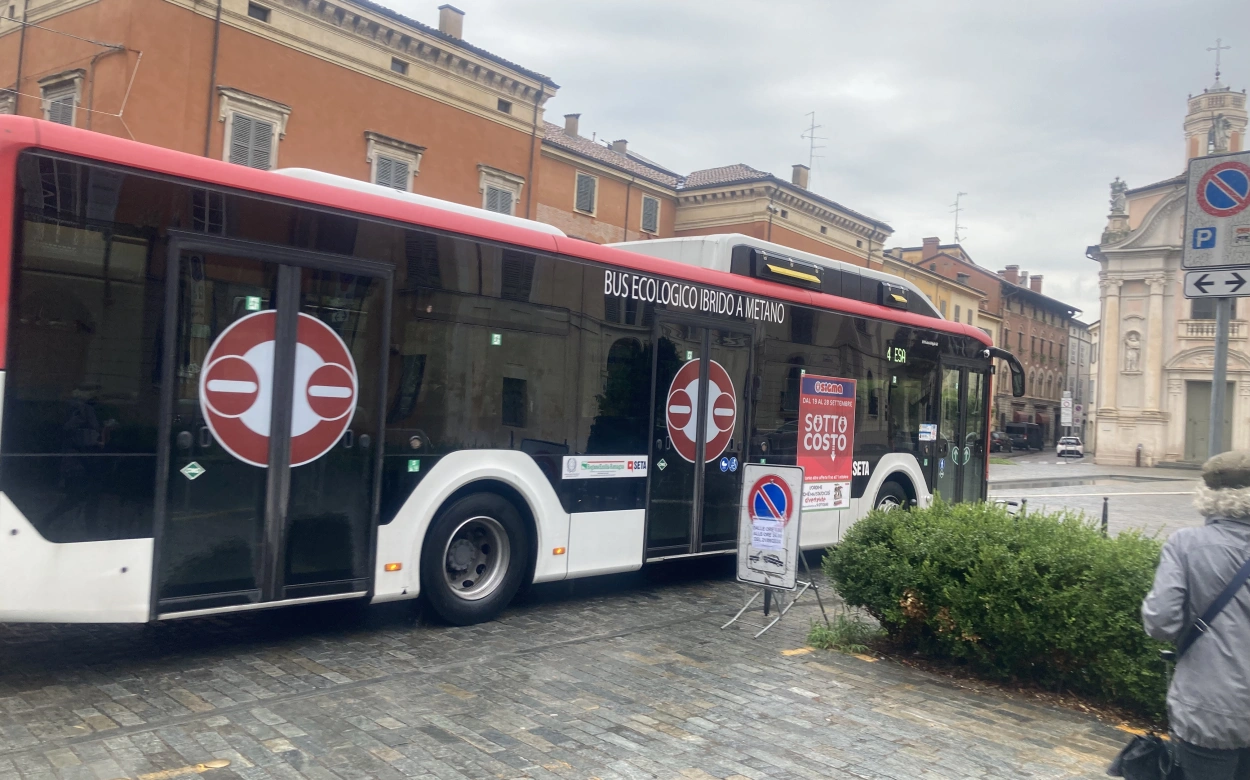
697, 442
961, 453
271, 426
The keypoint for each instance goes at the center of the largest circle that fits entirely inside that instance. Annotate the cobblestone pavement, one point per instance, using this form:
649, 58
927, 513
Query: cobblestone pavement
1152, 500
623, 677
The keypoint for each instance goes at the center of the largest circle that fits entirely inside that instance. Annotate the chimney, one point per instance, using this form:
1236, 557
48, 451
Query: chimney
451, 21
800, 176
1011, 274
1035, 283
570, 123
619, 146
930, 248
1023, 281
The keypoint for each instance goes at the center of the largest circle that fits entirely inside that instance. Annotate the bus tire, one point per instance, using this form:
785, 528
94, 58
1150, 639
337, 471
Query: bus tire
475, 555
891, 496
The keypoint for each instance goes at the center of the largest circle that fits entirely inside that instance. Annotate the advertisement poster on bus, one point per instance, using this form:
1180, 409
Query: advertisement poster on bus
826, 440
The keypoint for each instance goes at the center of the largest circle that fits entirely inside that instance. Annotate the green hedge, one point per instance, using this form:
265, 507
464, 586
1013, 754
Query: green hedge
1035, 597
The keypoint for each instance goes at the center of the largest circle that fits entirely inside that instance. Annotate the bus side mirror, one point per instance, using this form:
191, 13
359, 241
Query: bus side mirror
1017, 379
1017, 370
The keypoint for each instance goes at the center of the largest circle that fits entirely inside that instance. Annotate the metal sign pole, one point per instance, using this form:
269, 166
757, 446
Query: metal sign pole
1215, 441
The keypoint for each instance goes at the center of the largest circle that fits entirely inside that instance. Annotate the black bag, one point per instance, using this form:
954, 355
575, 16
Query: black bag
1146, 758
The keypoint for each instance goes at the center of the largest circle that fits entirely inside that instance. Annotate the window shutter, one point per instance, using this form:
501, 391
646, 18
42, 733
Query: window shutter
240, 138
585, 193
251, 141
262, 144
61, 110
499, 201
518, 275
391, 173
399, 175
650, 215
382, 171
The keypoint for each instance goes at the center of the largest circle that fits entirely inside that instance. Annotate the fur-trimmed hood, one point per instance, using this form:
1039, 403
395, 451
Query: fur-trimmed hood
1228, 503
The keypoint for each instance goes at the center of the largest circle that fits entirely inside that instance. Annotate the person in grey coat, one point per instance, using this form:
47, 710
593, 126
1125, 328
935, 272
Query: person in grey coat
1209, 701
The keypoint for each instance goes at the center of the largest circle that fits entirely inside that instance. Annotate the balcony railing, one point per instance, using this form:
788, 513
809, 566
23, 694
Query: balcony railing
1205, 329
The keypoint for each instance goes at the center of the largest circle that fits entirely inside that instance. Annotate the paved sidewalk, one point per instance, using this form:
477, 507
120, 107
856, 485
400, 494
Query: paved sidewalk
1156, 501
625, 677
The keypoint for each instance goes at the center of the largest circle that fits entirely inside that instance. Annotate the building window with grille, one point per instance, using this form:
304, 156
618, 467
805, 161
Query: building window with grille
650, 214
586, 191
254, 126
392, 163
500, 189
61, 95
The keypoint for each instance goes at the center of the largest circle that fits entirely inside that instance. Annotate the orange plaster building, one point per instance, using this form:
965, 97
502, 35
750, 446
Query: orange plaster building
352, 88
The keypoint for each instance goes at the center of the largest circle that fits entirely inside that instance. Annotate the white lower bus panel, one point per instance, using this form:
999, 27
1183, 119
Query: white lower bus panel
79, 582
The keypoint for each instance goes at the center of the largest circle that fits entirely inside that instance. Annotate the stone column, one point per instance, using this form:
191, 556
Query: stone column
1110, 340
1154, 344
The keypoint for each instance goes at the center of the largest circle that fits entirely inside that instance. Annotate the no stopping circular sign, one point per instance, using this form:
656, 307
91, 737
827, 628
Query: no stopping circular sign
236, 389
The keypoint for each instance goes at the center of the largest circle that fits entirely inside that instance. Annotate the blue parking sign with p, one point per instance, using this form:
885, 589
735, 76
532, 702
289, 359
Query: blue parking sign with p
1204, 238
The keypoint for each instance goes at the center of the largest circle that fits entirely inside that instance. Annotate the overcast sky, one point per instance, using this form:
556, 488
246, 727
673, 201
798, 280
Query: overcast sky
1030, 108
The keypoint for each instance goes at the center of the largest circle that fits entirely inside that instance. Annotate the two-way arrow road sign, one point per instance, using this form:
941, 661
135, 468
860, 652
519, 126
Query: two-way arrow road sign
1217, 284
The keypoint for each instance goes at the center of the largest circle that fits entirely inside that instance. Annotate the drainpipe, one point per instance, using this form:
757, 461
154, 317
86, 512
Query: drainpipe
628, 187
771, 193
529, 192
212, 82
21, 48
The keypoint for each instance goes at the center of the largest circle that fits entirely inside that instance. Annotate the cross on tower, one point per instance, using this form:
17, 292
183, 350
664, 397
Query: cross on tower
1217, 48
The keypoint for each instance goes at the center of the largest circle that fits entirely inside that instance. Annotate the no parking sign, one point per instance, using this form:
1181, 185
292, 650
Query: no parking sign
768, 525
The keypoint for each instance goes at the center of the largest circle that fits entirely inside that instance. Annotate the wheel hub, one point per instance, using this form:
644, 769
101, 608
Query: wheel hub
476, 558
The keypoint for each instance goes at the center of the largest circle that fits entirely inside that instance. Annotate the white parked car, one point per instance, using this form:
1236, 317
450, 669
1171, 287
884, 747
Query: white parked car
1070, 447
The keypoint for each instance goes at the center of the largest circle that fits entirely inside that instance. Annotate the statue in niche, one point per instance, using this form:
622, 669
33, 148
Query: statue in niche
1132, 352
1119, 203
1218, 135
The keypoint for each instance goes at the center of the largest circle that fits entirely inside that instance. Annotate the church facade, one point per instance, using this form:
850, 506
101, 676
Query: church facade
1156, 356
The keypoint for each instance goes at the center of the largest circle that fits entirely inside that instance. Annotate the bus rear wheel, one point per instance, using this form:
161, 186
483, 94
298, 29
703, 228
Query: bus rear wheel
475, 555
890, 497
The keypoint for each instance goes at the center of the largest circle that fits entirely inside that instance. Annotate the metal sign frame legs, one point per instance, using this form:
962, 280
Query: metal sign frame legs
804, 586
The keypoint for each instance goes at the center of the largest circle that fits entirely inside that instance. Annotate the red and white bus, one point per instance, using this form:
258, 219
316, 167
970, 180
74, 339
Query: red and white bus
228, 389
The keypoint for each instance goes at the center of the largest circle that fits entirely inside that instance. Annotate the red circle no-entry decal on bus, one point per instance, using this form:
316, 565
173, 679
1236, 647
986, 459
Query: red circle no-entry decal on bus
237, 381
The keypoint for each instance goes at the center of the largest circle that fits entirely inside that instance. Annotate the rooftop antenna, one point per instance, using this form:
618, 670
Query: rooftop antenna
1217, 48
955, 209
812, 138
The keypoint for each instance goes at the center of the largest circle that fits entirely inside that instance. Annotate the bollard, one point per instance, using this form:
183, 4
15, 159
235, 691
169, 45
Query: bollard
1104, 515
1138, 456
1024, 505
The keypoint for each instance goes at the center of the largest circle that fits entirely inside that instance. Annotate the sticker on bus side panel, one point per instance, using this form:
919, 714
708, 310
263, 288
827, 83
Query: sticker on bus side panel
604, 466
928, 431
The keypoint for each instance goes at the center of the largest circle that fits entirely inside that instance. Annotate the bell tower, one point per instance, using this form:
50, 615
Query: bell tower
1216, 121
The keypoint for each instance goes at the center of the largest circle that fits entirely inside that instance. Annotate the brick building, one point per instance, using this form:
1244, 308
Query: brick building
1035, 329
355, 89
1032, 326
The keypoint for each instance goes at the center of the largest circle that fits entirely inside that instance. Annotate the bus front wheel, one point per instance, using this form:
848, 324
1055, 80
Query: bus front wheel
474, 557
890, 497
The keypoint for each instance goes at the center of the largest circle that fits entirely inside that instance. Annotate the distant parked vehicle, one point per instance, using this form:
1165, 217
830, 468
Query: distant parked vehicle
1070, 447
1000, 442
1025, 436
